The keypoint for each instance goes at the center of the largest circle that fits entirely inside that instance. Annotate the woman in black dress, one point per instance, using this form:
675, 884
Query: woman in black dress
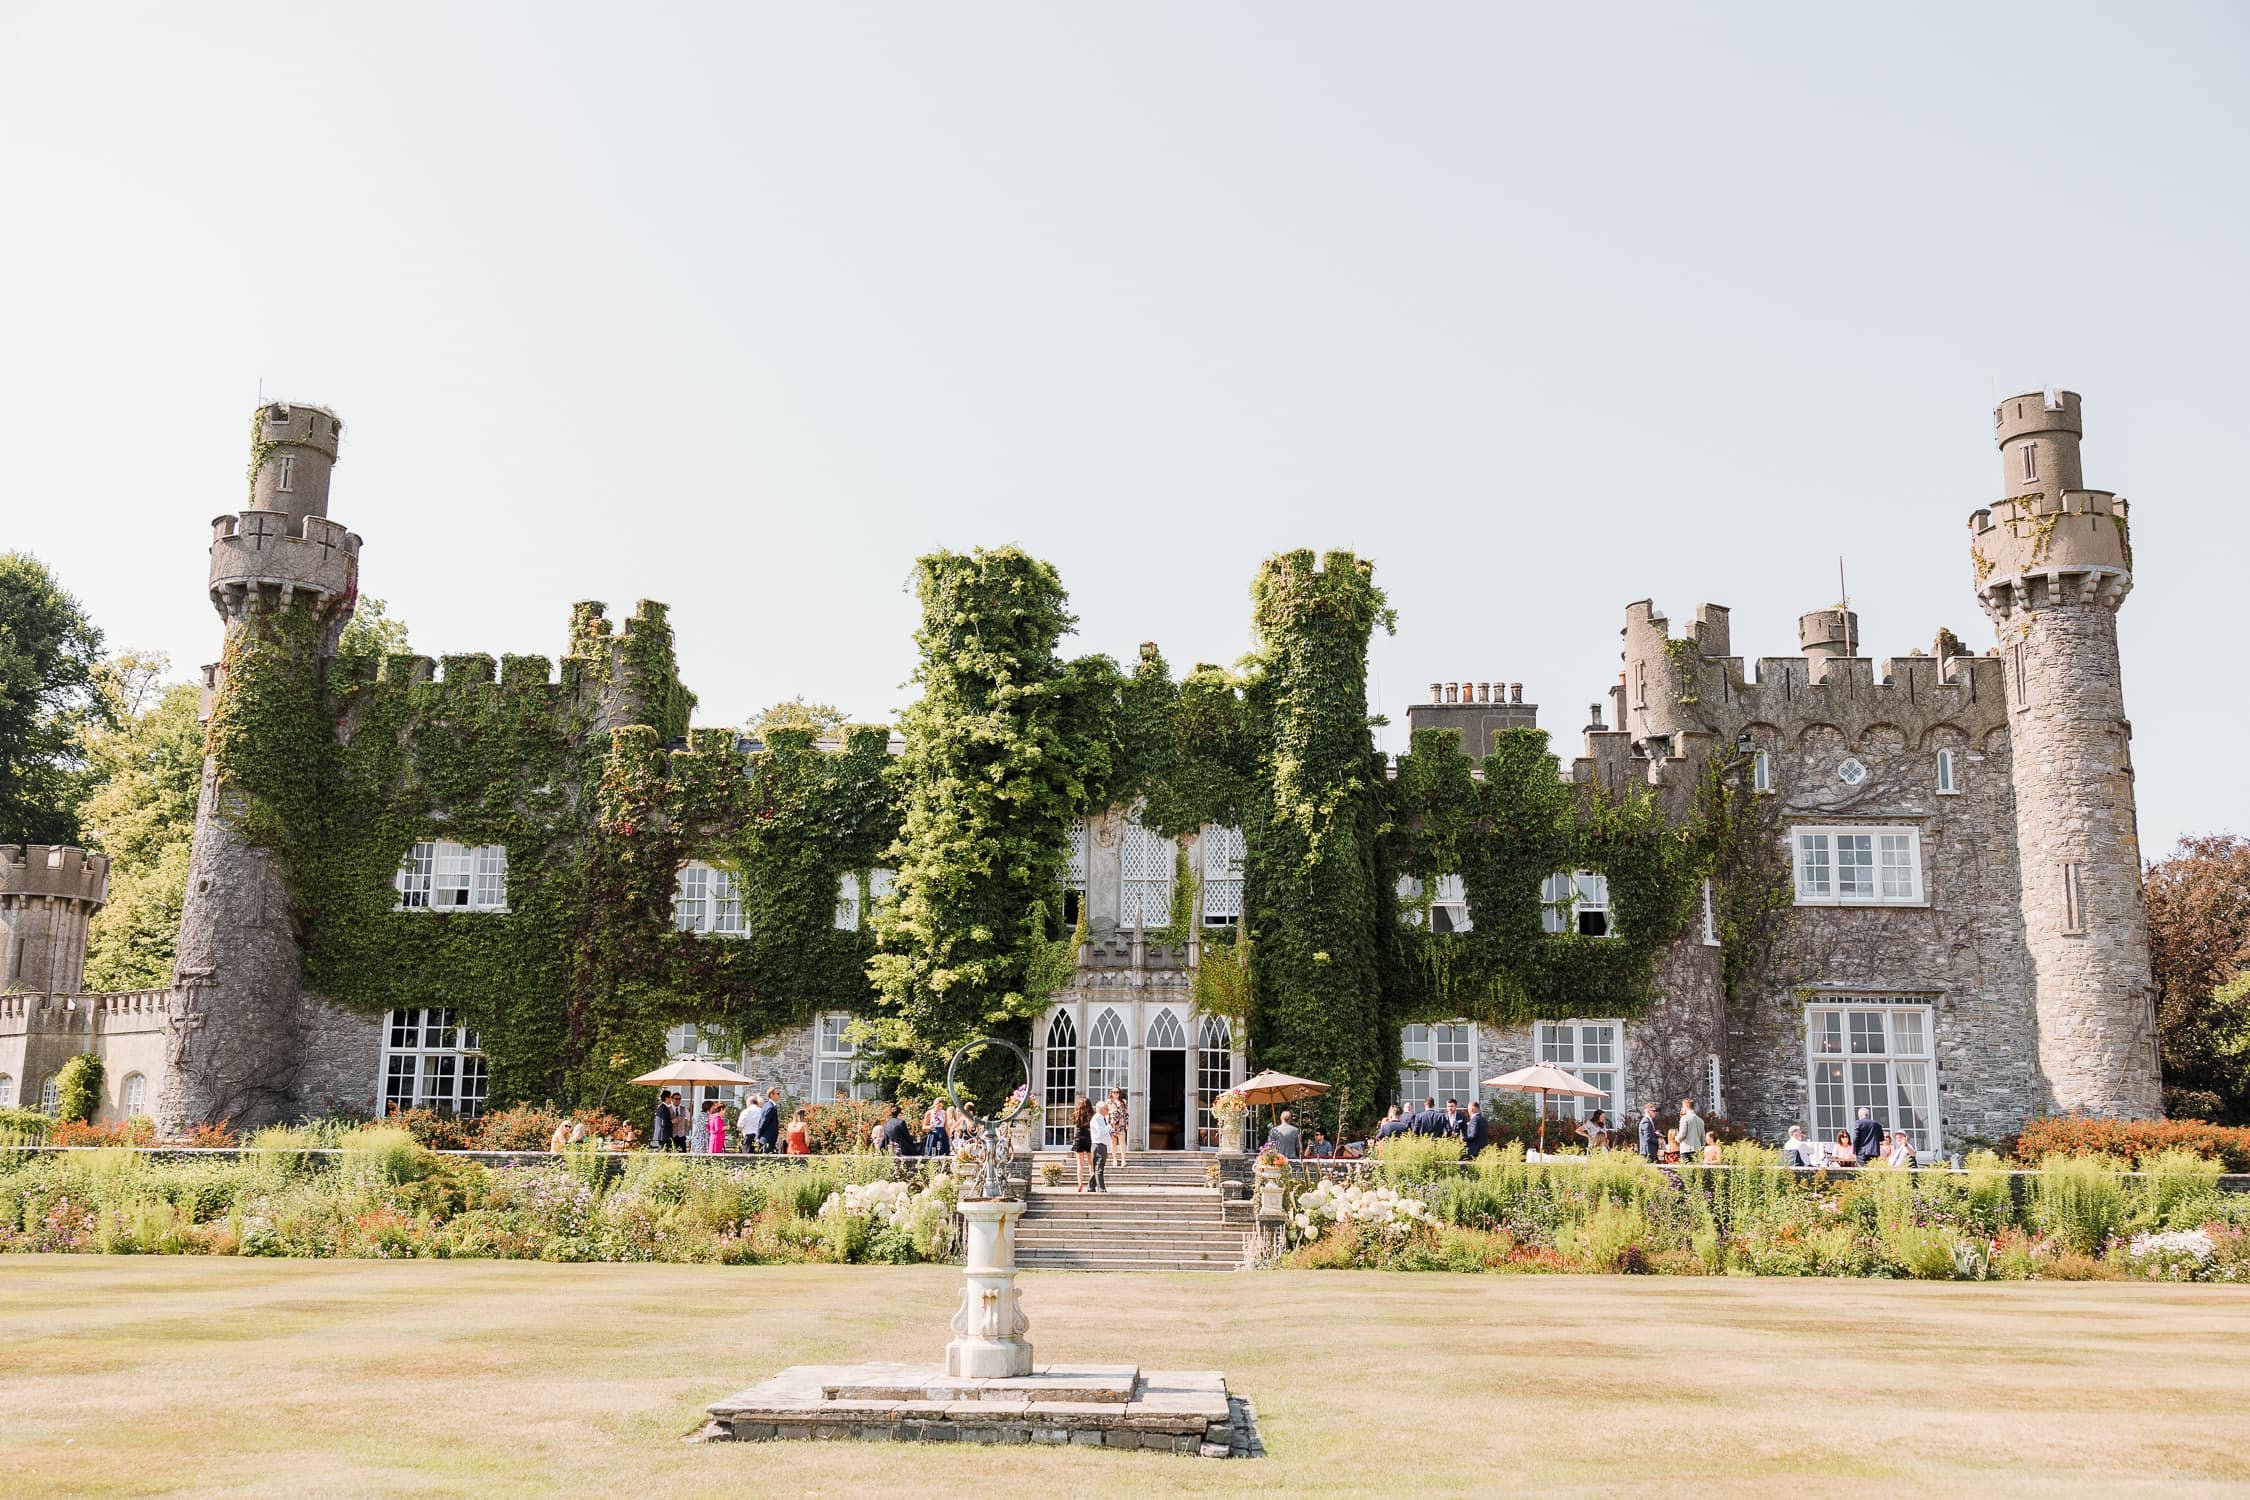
1082, 1138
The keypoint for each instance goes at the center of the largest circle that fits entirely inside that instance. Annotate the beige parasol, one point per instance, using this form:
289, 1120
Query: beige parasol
1271, 1088
1543, 1080
694, 1070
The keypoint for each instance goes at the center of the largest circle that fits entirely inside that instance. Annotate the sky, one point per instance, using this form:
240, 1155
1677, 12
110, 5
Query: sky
742, 307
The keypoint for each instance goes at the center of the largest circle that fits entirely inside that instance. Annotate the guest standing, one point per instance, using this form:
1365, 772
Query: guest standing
800, 1132
769, 1120
1082, 1139
1286, 1138
1102, 1132
1476, 1130
1867, 1136
1652, 1134
660, 1128
1692, 1132
1120, 1125
937, 1140
715, 1128
893, 1136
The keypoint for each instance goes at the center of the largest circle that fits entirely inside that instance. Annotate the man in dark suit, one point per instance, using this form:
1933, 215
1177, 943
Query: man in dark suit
769, 1123
894, 1136
1476, 1131
1867, 1138
1652, 1134
660, 1129
1430, 1121
1396, 1123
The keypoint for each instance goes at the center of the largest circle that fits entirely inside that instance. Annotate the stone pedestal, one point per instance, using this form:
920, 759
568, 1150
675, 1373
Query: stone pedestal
989, 1329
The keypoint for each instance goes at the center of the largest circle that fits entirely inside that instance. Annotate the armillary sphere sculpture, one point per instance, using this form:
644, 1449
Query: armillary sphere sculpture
993, 1183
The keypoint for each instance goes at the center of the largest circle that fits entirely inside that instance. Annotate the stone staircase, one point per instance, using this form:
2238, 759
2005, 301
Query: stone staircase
1160, 1214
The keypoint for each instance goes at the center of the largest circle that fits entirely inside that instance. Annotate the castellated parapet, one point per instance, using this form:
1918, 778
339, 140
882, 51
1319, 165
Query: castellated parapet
48, 893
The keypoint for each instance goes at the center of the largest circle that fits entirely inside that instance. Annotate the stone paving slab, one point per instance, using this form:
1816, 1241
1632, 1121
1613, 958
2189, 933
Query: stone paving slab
1108, 1406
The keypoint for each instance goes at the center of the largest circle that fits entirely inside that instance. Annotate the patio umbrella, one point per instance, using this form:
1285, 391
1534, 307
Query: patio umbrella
1271, 1088
1543, 1080
694, 1070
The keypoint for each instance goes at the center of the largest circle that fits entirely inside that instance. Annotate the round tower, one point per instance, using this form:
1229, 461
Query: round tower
250, 1045
1829, 633
48, 893
2053, 562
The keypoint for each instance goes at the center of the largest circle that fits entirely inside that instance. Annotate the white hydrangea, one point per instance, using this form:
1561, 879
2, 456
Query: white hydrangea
882, 1202
1329, 1205
2194, 1243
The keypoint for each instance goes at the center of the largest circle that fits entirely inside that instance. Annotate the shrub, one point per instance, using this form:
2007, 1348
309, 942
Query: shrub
28, 1125
138, 1131
78, 1089
2133, 1140
1408, 1159
435, 1131
383, 1155
520, 1127
210, 1136
2180, 1190
2079, 1201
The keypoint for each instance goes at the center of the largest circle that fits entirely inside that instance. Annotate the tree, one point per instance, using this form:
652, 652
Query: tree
147, 771
48, 654
372, 631
825, 720
2199, 948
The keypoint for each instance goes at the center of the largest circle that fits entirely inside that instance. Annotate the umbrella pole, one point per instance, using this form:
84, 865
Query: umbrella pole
1542, 1124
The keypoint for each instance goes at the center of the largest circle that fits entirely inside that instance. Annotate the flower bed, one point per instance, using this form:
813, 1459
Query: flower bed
2076, 1219
376, 1192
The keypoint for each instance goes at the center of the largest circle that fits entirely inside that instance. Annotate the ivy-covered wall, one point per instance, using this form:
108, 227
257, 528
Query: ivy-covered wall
599, 791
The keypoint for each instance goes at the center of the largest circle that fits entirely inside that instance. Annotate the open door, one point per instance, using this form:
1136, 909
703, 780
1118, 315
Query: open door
1167, 1100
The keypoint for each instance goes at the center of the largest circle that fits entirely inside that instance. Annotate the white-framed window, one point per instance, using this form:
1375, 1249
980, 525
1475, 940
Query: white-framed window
1147, 864
1448, 906
1060, 1089
691, 1040
7, 1091
1857, 866
851, 910
1437, 1062
1710, 917
285, 472
1577, 901
132, 1094
432, 1061
1166, 1034
1109, 1056
1949, 773
1761, 772
440, 875
1714, 1086
1594, 1053
836, 1068
1214, 1074
2074, 901
1077, 876
1876, 1054
2030, 461
50, 1096
708, 899
1223, 851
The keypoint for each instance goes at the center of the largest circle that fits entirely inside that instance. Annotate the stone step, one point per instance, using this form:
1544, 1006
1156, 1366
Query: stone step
1060, 1262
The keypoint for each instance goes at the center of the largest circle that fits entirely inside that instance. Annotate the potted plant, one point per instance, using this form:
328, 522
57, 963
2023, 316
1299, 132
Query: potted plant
1021, 1127
1227, 1110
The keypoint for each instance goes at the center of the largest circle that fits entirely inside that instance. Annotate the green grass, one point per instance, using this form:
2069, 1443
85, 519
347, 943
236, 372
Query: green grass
191, 1376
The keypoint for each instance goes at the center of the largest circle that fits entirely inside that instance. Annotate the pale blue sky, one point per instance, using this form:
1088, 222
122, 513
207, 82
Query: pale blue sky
741, 307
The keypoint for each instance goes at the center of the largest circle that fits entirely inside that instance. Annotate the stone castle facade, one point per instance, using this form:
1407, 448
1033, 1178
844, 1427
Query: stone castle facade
1963, 944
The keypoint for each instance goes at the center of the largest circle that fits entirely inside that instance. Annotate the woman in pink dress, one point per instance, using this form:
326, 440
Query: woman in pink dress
715, 1127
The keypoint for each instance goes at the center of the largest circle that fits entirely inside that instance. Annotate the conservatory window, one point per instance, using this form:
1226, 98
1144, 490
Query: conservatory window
1222, 875
1108, 1056
1214, 1075
1575, 902
432, 1061
708, 899
1437, 1062
132, 1094
1594, 1053
1061, 1088
1872, 1053
1857, 866
439, 875
836, 1067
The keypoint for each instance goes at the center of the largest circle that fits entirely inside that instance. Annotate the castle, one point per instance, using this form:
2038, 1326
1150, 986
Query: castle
400, 868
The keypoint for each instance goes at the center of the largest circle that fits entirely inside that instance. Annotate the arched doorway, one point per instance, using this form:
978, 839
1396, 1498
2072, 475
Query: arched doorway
1059, 1090
1167, 1083
1214, 1075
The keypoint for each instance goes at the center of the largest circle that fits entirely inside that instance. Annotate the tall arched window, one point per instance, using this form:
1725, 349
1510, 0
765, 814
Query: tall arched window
50, 1096
1061, 1087
132, 1094
1108, 1056
1214, 1075
7, 1091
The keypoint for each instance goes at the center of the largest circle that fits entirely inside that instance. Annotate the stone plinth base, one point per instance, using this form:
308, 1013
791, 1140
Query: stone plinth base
1092, 1406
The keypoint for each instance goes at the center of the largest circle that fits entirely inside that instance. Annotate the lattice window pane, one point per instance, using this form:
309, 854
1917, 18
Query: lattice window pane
1061, 1086
1898, 866
847, 902
1108, 1055
449, 889
1855, 864
1813, 878
414, 875
490, 892
1166, 1032
1147, 885
1078, 855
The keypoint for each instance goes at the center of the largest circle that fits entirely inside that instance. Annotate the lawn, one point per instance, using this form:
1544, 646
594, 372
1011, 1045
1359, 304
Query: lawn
190, 1376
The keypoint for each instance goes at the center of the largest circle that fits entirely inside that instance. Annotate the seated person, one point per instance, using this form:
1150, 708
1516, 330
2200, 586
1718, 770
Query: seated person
1671, 1151
1842, 1154
1797, 1151
1321, 1149
1712, 1155
1902, 1150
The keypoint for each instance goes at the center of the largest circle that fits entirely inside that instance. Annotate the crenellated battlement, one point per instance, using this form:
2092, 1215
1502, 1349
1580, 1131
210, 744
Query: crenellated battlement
57, 872
264, 560
2052, 548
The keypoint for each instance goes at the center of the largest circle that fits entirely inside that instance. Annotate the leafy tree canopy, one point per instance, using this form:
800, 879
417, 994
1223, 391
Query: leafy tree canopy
49, 653
2199, 947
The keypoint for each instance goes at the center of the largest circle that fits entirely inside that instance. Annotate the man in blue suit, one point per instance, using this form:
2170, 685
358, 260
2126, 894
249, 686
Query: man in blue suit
1652, 1134
1430, 1120
769, 1123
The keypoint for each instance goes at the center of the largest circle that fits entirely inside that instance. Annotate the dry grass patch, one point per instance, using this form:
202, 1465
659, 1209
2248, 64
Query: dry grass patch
130, 1376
